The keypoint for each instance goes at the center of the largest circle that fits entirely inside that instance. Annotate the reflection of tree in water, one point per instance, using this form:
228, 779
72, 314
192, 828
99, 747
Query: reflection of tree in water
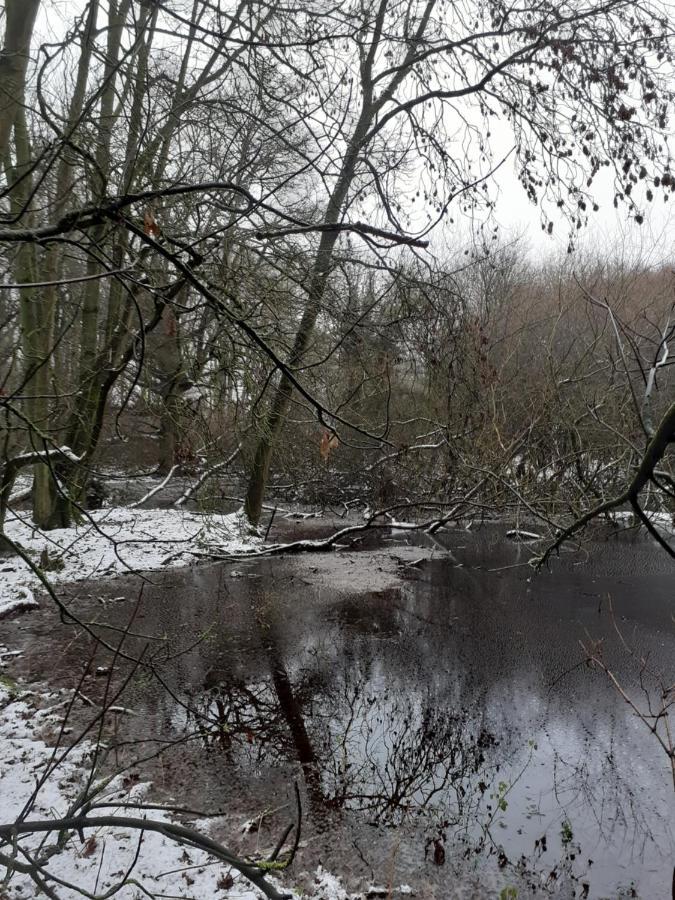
388, 714
238, 717
610, 801
393, 755
361, 745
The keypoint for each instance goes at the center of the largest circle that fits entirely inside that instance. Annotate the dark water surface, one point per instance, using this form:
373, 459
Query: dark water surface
451, 719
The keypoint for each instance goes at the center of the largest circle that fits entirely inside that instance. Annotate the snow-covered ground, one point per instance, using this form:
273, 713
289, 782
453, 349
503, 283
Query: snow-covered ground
96, 864
111, 542
663, 521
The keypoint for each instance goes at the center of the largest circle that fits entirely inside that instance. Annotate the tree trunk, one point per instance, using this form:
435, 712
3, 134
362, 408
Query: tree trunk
317, 287
37, 314
19, 21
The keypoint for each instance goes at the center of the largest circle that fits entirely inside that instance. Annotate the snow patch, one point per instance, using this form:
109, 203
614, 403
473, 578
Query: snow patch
664, 521
22, 601
328, 887
518, 534
114, 541
163, 867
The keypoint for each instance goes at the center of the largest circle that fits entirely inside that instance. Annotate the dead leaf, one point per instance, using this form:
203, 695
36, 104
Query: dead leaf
225, 882
90, 846
150, 226
329, 441
130, 780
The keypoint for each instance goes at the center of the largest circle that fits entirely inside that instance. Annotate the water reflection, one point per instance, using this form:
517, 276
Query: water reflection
440, 710
451, 713
364, 749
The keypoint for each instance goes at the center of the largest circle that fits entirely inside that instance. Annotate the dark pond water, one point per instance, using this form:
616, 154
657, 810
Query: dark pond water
449, 720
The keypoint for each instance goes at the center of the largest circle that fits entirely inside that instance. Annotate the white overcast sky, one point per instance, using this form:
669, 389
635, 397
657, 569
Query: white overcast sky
610, 232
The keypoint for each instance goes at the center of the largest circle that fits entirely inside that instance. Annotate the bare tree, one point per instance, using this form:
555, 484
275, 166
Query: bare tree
561, 77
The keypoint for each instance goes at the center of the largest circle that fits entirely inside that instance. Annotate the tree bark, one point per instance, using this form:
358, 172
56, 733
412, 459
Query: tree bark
366, 126
276, 415
19, 21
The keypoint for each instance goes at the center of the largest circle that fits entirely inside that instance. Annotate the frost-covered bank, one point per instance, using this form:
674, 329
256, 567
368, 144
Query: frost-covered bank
102, 857
111, 542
